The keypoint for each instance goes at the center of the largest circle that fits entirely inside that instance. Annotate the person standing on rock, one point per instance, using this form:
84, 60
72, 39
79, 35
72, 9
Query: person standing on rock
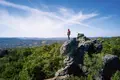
68, 33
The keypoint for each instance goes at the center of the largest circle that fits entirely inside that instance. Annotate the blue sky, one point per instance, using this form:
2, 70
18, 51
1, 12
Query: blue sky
52, 18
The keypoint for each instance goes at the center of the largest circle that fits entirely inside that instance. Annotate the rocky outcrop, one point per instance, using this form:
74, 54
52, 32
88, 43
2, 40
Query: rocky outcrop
74, 51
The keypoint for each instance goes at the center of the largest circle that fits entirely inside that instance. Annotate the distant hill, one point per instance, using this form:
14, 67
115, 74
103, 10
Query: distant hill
28, 42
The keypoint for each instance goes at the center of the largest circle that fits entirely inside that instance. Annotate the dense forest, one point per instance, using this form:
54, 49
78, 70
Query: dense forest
37, 63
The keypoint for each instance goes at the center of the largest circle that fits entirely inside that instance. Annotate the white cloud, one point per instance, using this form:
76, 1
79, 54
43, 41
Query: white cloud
40, 23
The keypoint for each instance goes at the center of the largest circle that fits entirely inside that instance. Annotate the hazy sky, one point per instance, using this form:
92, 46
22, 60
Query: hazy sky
52, 18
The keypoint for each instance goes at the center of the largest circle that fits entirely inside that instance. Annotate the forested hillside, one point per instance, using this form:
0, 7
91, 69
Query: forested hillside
38, 63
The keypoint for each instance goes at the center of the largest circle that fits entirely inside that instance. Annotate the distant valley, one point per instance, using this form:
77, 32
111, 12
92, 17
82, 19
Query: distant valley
28, 42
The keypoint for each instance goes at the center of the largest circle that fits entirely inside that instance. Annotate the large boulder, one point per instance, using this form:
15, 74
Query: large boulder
111, 63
